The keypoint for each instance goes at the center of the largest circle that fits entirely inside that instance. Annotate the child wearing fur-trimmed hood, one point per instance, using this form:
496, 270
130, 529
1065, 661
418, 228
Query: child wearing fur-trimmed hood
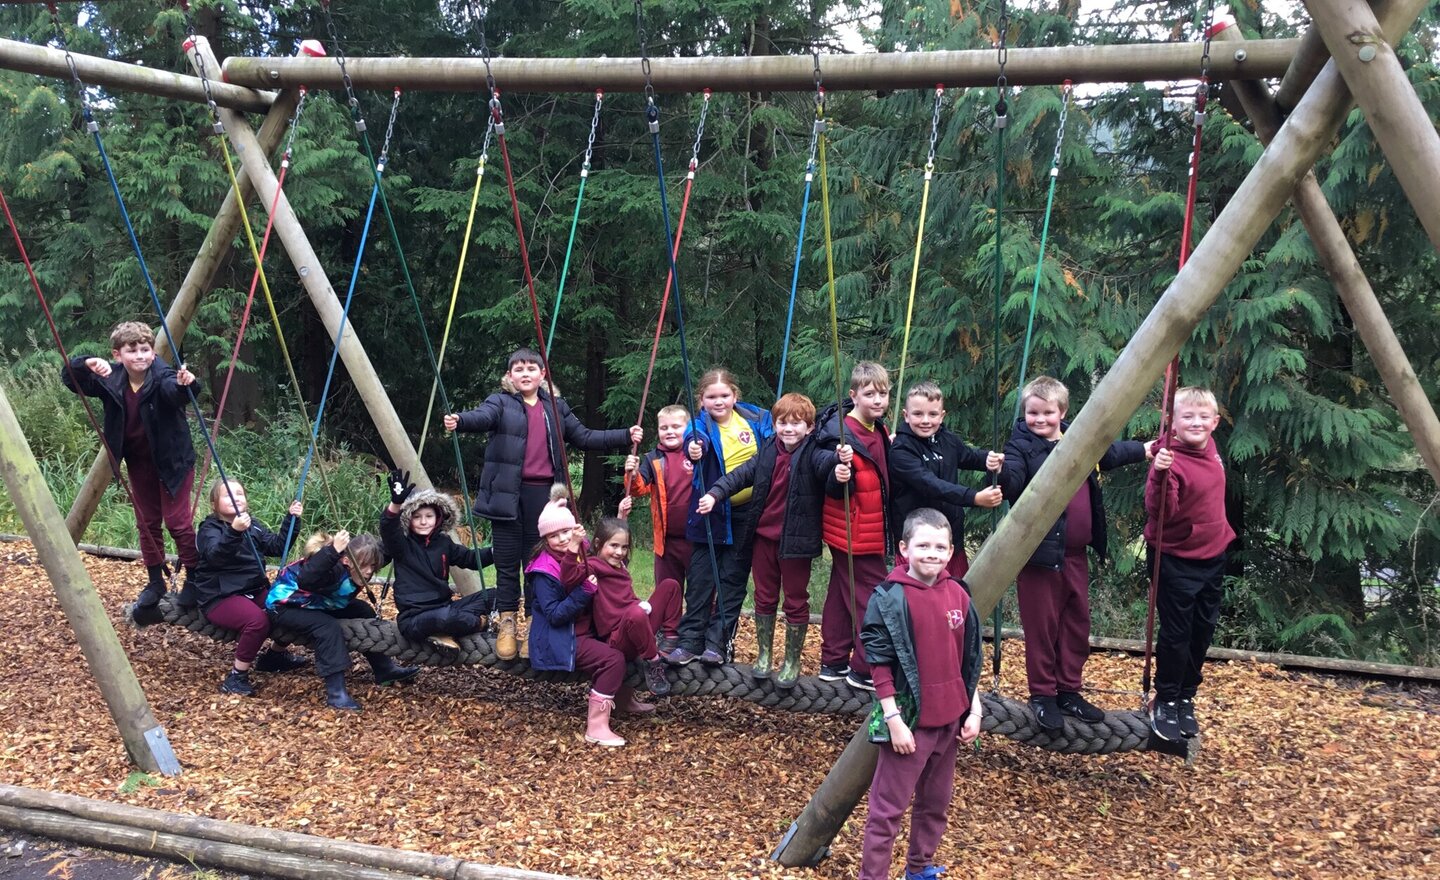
414, 530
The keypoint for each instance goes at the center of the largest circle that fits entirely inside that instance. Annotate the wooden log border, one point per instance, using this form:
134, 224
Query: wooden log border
228, 845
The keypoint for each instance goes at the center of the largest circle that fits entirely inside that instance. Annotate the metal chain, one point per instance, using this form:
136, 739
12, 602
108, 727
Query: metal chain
389, 133
485, 56
934, 128
90, 124
699, 133
1060, 135
340, 59
1002, 55
819, 127
819, 80
294, 127
200, 68
1202, 89
594, 125
645, 62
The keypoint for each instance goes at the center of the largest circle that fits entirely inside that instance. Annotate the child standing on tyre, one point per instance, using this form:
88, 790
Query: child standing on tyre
1188, 480
524, 457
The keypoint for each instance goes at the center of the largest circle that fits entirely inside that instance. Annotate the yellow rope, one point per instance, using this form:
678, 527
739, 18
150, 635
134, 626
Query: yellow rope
910, 303
454, 296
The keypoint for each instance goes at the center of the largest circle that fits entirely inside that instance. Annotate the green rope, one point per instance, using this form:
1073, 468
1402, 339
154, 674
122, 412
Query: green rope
574, 221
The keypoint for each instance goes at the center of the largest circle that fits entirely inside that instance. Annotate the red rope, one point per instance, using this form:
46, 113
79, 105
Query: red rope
1172, 383
244, 323
144, 530
496, 115
664, 302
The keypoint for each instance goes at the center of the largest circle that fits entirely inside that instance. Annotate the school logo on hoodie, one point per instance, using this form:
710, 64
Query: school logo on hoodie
955, 617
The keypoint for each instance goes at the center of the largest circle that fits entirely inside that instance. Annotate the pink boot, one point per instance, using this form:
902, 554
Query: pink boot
597, 725
626, 703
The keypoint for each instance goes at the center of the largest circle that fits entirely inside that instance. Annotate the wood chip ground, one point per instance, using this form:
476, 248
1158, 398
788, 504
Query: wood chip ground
1300, 775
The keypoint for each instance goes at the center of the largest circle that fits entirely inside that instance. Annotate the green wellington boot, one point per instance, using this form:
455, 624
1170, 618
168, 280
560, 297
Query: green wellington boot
765, 636
794, 644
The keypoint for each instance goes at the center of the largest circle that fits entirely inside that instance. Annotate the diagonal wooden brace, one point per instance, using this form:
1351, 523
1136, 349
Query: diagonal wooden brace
317, 285
1353, 288
214, 252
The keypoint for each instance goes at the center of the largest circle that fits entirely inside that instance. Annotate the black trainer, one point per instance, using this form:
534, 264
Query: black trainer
655, 678
1189, 725
1165, 721
238, 683
1047, 714
860, 682
833, 673
1077, 706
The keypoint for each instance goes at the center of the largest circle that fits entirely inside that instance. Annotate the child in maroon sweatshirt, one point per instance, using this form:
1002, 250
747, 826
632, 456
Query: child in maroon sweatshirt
923, 641
617, 616
1187, 534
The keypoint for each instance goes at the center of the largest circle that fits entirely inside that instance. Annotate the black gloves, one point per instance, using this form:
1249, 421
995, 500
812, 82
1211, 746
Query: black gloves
400, 486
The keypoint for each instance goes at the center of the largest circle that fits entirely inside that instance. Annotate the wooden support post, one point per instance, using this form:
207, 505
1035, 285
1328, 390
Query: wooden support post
1309, 60
1213, 264
144, 738
1341, 264
1398, 120
322, 294
44, 61
808, 840
1049, 65
213, 253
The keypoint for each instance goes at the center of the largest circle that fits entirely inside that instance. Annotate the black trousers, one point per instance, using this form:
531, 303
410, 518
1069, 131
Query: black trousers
702, 628
1188, 604
459, 618
327, 639
512, 541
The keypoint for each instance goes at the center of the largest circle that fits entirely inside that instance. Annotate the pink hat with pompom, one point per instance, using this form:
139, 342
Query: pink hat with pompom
554, 518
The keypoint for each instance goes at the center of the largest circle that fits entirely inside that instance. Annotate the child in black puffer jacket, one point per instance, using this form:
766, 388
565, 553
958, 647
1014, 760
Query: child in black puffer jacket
414, 531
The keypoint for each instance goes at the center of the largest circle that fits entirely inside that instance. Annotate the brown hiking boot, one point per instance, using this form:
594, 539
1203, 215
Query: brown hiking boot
506, 647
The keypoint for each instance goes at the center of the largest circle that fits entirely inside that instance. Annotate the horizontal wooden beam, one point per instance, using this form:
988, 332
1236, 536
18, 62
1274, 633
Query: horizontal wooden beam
1139, 62
93, 71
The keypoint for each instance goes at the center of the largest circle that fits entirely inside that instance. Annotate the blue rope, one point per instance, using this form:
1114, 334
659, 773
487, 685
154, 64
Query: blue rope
335, 353
795, 276
652, 115
94, 127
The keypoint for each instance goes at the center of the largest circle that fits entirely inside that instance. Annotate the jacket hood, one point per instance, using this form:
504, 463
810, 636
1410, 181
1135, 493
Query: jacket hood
903, 430
901, 575
1209, 451
827, 424
545, 386
444, 505
1023, 434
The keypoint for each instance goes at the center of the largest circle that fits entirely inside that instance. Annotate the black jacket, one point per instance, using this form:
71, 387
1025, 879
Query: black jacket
422, 564
923, 470
503, 415
804, 498
1025, 453
228, 559
162, 410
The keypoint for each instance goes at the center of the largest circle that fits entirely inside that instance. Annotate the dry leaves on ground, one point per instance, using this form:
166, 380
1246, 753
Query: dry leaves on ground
1300, 775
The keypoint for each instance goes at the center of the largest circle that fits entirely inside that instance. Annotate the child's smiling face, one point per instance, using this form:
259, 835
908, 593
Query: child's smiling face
671, 430
616, 549
928, 552
791, 431
924, 416
1194, 423
1043, 417
719, 401
423, 521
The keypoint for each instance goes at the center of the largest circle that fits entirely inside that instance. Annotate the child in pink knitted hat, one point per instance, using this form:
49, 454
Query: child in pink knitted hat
562, 635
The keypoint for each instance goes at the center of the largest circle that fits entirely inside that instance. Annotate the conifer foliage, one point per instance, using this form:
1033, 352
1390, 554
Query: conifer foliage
1338, 516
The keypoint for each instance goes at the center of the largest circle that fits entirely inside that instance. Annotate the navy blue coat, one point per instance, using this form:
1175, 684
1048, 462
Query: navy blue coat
552, 625
712, 466
162, 410
804, 498
1025, 453
922, 473
497, 497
